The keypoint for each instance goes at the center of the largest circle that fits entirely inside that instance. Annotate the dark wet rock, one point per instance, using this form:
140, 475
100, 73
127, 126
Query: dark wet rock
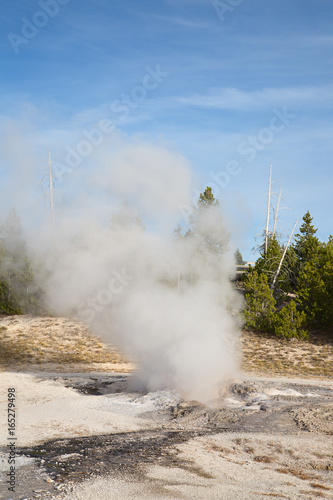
94, 386
185, 408
81, 458
244, 390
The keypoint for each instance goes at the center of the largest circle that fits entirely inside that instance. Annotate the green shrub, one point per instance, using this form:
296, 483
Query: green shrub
260, 313
289, 323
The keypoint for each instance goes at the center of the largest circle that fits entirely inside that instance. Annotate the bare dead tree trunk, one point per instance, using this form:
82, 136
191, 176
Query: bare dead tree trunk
51, 189
268, 208
283, 256
277, 211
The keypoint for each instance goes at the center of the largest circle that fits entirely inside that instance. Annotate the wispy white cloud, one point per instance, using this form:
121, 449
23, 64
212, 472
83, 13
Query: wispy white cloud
236, 99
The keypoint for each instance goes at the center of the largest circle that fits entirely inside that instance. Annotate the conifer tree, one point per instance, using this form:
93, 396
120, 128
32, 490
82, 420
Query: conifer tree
207, 225
238, 257
18, 292
207, 198
315, 287
290, 323
259, 302
306, 244
269, 261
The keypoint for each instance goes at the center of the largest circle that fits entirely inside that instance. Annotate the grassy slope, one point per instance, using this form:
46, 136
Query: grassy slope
41, 340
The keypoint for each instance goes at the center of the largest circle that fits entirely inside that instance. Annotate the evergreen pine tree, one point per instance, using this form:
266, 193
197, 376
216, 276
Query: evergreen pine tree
290, 323
238, 257
18, 292
207, 198
259, 302
207, 225
306, 244
268, 261
315, 287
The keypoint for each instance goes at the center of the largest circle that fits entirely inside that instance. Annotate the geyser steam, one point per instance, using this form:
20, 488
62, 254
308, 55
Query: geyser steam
163, 297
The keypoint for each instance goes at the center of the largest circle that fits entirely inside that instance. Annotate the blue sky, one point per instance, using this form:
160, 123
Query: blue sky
230, 85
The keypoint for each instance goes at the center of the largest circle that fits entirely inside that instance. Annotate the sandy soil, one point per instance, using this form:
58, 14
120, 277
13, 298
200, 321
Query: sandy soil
82, 433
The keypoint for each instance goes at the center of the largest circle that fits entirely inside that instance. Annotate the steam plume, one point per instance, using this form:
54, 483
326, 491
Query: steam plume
114, 261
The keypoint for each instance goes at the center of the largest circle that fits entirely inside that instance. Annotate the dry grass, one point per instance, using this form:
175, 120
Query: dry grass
40, 340
271, 355
27, 340
264, 459
320, 486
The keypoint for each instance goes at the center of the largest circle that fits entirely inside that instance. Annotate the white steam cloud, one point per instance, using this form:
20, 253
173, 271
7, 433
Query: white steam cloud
114, 260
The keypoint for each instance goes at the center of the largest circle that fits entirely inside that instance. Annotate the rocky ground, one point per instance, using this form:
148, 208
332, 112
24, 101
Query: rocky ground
84, 434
